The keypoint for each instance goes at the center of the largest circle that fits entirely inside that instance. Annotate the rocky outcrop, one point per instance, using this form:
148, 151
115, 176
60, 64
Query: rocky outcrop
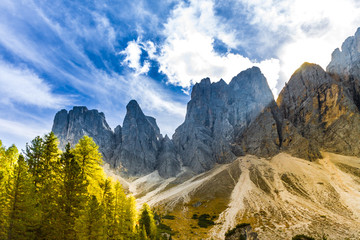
70, 126
270, 133
345, 66
322, 110
140, 142
241, 231
314, 112
216, 113
136, 149
169, 163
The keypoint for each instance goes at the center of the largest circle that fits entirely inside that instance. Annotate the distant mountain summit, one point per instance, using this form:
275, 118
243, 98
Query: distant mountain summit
345, 66
315, 111
70, 126
134, 148
216, 114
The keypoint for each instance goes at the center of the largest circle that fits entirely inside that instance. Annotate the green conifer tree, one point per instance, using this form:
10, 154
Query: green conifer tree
34, 156
73, 193
147, 221
22, 213
90, 225
142, 234
7, 161
89, 159
109, 209
43, 157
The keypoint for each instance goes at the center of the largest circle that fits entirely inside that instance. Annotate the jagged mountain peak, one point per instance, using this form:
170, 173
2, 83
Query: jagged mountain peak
252, 74
216, 113
70, 126
80, 109
133, 109
309, 75
303, 83
342, 61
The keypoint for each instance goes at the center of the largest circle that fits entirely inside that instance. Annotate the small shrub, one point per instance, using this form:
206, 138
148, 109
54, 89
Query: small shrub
164, 228
204, 221
171, 217
232, 231
302, 237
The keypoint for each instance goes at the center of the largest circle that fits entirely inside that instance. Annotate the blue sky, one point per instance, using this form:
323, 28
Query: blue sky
101, 54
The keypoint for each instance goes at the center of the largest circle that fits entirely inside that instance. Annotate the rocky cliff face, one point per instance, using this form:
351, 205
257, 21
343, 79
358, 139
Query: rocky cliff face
314, 111
345, 65
140, 142
216, 113
137, 148
70, 126
322, 110
270, 133
143, 149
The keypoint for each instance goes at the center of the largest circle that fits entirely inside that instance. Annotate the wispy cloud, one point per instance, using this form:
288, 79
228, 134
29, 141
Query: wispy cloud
21, 85
20, 132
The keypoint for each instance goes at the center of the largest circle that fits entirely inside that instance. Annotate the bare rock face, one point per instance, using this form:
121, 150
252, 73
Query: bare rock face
242, 231
321, 109
345, 65
270, 133
70, 126
140, 142
216, 113
169, 163
314, 112
137, 148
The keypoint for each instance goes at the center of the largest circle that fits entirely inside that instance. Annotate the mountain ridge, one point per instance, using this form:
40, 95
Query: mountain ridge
287, 167
204, 139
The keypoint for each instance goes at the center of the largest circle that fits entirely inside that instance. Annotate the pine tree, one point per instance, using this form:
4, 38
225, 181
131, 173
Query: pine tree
131, 216
147, 221
91, 222
142, 234
21, 194
45, 165
73, 193
89, 159
34, 156
109, 209
120, 208
65, 196
7, 161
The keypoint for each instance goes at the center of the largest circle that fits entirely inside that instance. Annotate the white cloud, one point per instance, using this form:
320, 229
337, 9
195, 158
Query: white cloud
21, 85
133, 54
188, 54
313, 28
